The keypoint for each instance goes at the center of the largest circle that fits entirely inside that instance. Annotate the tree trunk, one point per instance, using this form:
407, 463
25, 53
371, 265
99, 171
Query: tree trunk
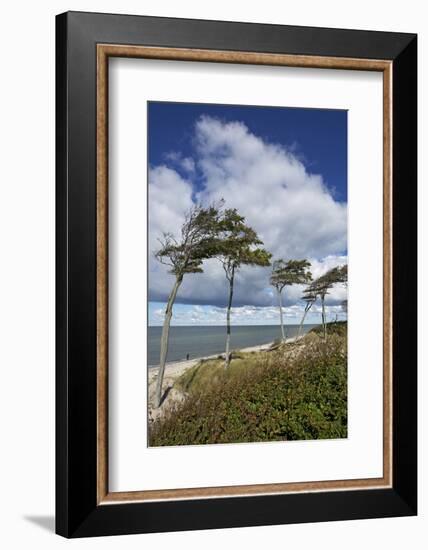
164, 340
280, 316
229, 305
323, 318
303, 320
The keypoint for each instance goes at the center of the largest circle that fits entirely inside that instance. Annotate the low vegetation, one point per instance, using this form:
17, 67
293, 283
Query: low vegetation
338, 327
295, 391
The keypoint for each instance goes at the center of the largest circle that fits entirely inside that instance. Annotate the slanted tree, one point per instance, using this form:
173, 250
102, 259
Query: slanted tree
238, 245
322, 286
343, 278
293, 272
342, 274
185, 255
309, 297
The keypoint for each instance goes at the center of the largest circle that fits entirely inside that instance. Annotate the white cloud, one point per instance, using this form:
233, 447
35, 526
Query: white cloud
188, 164
292, 210
185, 315
185, 163
169, 197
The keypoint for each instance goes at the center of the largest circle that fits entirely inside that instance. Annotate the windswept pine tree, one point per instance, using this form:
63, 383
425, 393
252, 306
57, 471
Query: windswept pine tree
341, 274
322, 286
185, 255
343, 278
293, 272
238, 245
309, 297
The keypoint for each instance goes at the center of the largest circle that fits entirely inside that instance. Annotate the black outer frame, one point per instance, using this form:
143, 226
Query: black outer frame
77, 513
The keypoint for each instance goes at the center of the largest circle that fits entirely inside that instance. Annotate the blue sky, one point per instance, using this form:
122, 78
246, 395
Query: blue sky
317, 136
284, 169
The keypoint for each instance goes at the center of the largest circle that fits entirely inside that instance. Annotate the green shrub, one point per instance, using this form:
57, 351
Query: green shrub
293, 393
335, 327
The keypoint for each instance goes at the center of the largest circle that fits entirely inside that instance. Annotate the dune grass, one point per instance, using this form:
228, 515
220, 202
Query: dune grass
295, 392
337, 327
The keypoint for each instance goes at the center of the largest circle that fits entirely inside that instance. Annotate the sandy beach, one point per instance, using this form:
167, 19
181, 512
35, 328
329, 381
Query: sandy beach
175, 369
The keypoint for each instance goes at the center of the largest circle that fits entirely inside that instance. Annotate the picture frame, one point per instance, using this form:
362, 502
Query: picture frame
84, 44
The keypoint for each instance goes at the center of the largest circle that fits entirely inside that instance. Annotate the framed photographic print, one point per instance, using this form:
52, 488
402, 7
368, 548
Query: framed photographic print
236, 252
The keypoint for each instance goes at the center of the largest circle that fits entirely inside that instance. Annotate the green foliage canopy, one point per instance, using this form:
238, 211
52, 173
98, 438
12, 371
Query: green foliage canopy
238, 244
322, 285
293, 272
199, 237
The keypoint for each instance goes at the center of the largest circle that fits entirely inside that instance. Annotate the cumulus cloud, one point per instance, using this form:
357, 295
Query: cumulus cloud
185, 163
292, 210
169, 197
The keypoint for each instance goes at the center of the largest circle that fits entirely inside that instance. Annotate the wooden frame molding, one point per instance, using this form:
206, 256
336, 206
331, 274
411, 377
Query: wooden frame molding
104, 51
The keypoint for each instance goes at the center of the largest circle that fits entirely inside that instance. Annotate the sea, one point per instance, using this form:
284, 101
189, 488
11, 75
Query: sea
201, 341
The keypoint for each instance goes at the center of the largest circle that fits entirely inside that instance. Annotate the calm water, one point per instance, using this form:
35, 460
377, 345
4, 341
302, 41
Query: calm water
203, 341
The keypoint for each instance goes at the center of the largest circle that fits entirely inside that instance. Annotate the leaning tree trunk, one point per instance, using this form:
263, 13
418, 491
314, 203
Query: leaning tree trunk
280, 315
229, 306
323, 317
164, 340
299, 332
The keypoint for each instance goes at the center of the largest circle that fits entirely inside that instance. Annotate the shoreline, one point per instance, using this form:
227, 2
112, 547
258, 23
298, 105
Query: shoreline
216, 347
174, 369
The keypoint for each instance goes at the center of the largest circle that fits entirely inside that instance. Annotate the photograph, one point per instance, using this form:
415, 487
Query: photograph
247, 316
